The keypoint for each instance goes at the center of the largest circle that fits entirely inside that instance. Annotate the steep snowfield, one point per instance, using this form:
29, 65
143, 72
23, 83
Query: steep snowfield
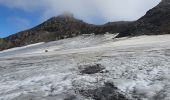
138, 66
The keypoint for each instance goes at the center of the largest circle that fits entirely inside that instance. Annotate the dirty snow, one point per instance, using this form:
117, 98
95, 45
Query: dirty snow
138, 66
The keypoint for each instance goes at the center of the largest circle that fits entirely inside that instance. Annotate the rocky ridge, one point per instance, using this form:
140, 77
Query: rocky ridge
156, 21
60, 27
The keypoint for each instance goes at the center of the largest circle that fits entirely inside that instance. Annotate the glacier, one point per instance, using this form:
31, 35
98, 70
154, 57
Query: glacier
139, 67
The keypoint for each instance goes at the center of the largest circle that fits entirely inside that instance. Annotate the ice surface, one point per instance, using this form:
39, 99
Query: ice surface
138, 66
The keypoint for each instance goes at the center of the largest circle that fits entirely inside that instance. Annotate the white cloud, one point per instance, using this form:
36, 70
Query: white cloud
88, 10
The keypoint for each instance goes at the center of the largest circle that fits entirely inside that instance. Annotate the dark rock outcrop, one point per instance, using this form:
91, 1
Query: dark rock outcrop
156, 21
107, 92
63, 26
91, 69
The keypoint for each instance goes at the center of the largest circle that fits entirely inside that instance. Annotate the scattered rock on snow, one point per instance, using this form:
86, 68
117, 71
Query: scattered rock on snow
91, 69
107, 92
46, 50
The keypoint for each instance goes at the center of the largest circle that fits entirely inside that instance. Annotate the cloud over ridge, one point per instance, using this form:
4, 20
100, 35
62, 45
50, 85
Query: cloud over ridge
92, 11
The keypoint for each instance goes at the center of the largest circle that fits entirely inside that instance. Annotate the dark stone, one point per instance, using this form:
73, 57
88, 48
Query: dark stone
107, 92
71, 97
91, 69
46, 50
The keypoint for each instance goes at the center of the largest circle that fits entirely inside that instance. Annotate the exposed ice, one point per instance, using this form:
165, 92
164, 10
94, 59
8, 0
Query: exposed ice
139, 67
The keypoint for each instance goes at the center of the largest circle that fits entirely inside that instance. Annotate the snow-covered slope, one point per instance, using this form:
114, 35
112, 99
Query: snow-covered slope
139, 67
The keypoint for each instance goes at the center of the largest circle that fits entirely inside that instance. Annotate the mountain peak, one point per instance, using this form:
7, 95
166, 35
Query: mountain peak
67, 14
64, 17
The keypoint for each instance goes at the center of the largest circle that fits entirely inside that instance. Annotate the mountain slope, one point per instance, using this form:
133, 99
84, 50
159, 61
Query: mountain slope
156, 21
63, 26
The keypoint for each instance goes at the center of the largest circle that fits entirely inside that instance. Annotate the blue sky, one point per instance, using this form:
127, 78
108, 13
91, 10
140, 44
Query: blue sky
13, 20
18, 15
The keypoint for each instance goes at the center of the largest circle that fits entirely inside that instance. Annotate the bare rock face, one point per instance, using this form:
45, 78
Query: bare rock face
156, 21
1, 41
